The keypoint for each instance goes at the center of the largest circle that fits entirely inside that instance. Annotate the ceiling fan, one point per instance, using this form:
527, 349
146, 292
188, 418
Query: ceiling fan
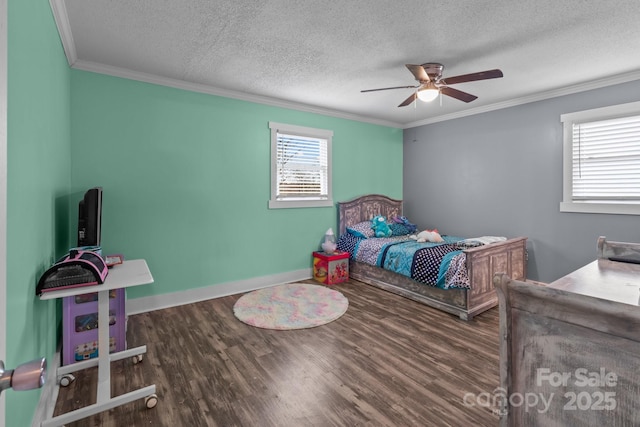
429, 75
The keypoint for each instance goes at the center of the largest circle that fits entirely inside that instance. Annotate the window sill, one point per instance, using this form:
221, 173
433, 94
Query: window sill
600, 208
281, 204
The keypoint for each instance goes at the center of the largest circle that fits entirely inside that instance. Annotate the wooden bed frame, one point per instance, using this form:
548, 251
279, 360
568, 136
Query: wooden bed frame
482, 263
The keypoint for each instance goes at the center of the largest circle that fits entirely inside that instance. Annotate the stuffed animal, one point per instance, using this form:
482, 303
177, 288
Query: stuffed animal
411, 228
428, 236
380, 226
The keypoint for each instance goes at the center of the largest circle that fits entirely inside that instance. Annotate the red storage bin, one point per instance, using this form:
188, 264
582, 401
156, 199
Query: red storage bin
331, 269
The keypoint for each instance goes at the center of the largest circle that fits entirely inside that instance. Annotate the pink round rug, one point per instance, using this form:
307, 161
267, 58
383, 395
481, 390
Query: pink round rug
290, 306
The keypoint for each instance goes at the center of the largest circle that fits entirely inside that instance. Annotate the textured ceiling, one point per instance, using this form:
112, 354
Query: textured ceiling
318, 55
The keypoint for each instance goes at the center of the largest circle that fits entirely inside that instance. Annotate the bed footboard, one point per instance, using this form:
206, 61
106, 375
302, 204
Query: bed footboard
483, 262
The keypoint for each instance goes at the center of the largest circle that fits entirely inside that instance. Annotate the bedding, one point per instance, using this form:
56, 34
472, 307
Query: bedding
441, 265
461, 284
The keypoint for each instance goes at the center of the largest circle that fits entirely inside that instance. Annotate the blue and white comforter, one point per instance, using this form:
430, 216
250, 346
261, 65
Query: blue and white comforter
440, 265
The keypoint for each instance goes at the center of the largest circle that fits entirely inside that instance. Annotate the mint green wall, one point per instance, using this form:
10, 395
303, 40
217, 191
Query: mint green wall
186, 179
38, 180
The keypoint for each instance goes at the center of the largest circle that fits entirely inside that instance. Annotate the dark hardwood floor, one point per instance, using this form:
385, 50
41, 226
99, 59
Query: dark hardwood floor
387, 361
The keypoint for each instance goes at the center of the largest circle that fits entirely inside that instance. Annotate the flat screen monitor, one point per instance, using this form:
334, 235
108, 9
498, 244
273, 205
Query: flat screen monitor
90, 218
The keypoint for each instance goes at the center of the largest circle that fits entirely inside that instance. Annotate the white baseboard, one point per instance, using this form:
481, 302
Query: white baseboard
49, 394
157, 302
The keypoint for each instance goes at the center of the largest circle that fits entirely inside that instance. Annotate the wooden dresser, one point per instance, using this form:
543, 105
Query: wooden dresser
570, 351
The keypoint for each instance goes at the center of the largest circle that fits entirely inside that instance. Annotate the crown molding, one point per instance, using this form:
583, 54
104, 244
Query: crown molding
275, 102
64, 29
61, 18
210, 90
568, 90
62, 21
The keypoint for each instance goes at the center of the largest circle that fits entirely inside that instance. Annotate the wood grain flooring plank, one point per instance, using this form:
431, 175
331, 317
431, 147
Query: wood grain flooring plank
388, 361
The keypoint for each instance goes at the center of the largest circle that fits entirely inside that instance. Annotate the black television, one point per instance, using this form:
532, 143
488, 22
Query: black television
90, 218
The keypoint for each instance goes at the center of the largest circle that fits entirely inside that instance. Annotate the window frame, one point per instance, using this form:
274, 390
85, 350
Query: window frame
303, 131
593, 115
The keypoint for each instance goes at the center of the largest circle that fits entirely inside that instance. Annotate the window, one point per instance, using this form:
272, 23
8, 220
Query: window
602, 160
300, 167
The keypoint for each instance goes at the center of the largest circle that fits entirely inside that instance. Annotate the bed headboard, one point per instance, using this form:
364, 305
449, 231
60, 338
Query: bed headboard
366, 207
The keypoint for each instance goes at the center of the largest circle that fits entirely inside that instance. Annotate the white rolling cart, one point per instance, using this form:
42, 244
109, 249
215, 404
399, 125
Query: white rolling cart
129, 273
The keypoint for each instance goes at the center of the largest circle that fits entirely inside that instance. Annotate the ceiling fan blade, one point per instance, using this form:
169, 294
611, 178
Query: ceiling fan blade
387, 88
483, 75
419, 73
458, 94
409, 100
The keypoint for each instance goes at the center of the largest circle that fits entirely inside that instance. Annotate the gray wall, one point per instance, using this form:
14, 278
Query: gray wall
500, 173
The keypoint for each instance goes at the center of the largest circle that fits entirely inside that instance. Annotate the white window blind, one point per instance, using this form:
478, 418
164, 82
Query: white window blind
300, 166
606, 160
602, 160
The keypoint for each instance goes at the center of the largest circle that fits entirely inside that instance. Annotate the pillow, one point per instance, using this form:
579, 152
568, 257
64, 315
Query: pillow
400, 229
362, 229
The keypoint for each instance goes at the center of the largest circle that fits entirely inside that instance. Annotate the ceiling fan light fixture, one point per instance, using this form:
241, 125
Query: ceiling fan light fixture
428, 94
431, 83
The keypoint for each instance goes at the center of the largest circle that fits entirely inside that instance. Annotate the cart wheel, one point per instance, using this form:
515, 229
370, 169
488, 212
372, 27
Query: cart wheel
151, 401
66, 380
137, 358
